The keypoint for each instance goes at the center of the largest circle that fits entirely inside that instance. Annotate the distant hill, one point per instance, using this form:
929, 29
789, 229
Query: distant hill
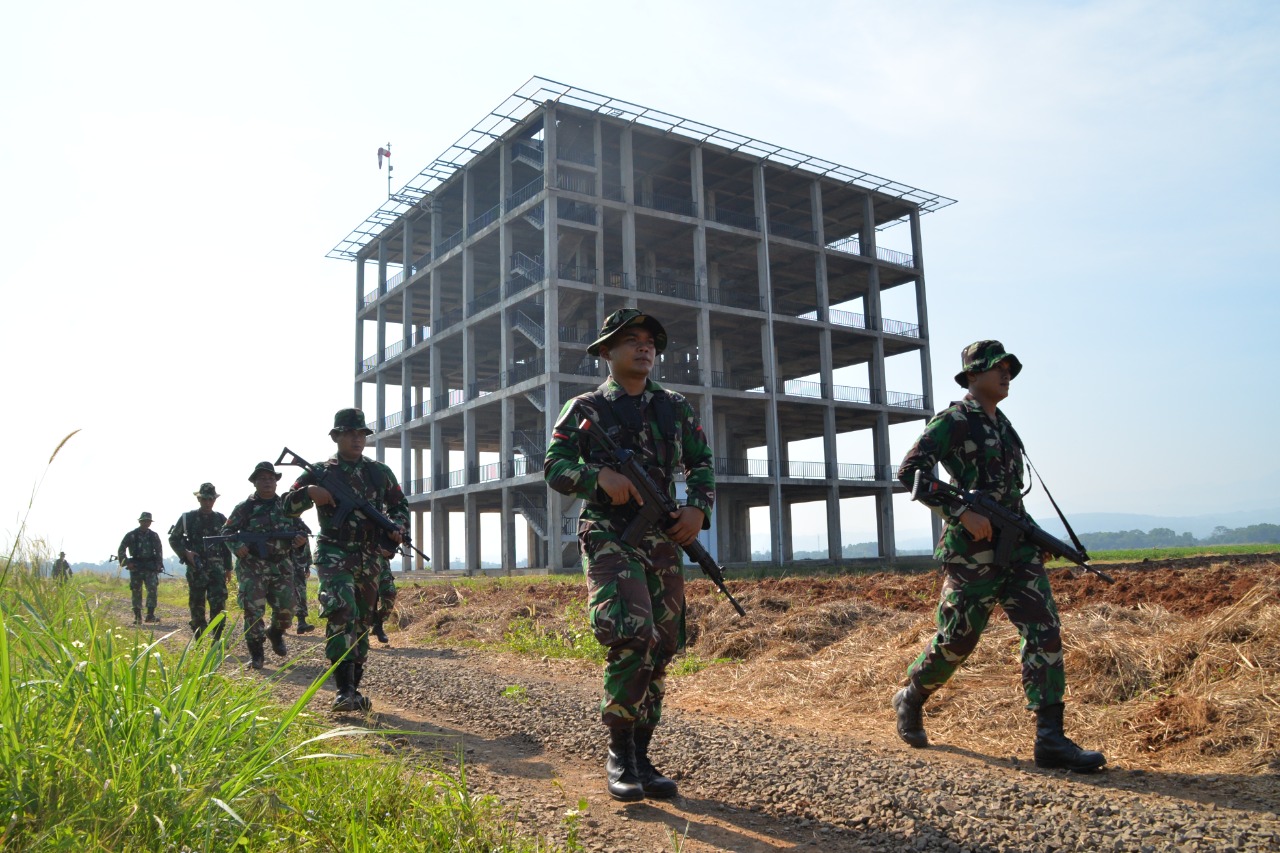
1198, 526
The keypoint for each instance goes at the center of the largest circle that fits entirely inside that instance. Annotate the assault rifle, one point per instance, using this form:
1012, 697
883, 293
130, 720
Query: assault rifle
124, 563
348, 502
656, 509
258, 540
1008, 527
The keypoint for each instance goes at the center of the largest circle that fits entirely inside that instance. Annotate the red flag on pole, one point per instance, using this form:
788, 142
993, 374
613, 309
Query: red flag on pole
384, 152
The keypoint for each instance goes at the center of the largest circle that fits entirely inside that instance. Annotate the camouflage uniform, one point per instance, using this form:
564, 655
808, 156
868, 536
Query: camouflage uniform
145, 562
207, 577
263, 580
635, 595
984, 453
347, 558
301, 558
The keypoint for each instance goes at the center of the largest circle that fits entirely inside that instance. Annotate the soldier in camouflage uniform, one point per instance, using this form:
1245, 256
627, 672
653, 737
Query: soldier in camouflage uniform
347, 557
145, 561
262, 579
61, 568
301, 571
974, 441
635, 595
207, 566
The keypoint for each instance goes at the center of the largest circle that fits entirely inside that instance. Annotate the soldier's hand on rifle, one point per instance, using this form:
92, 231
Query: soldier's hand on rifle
191, 557
688, 521
396, 536
319, 495
242, 550
299, 541
978, 525
619, 488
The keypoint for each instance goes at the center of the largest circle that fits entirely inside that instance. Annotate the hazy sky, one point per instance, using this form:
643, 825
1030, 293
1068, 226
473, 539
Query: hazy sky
172, 175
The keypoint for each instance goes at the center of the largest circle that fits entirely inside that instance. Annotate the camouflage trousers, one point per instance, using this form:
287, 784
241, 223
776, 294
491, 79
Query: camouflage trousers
348, 596
206, 582
137, 579
386, 592
635, 599
969, 594
265, 583
300, 575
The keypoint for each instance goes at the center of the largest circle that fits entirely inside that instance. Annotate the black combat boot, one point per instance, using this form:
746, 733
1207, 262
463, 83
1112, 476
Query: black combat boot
342, 680
1056, 751
276, 636
909, 705
151, 616
624, 781
357, 675
654, 783
255, 653
379, 631
137, 617
197, 630
303, 626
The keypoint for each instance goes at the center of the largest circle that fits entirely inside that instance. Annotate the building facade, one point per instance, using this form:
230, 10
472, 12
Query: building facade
480, 284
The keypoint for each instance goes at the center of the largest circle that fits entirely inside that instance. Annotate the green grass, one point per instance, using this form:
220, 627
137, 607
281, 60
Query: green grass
112, 740
1134, 555
566, 636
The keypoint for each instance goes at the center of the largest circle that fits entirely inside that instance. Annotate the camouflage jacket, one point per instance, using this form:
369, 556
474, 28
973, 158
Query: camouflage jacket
256, 515
366, 477
144, 550
188, 535
989, 460
573, 461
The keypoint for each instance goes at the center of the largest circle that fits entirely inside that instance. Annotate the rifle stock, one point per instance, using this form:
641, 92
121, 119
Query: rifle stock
1009, 527
656, 509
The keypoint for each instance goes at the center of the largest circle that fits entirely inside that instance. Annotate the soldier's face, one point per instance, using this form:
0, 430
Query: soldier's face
991, 385
206, 504
144, 524
630, 352
265, 484
351, 444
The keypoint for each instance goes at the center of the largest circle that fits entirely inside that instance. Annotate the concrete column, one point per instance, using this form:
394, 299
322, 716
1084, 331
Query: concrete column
507, 533
356, 391
380, 377
628, 215
922, 318
773, 380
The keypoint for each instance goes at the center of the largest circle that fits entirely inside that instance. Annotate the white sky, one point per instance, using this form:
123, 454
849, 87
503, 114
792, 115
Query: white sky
171, 177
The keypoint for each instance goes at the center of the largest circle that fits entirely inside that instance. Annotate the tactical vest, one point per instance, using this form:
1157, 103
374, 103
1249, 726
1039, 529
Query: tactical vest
624, 422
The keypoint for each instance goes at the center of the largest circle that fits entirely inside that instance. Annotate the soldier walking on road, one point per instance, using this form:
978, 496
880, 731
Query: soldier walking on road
208, 565
976, 444
301, 558
141, 552
347, 555
264, 571
635, 595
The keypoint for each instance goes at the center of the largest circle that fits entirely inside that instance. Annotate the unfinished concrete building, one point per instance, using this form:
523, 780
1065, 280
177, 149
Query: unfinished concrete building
479, 285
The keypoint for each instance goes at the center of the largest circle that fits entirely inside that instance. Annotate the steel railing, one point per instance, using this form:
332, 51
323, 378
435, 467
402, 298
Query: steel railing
584, 156
668, 204
485, 219
851, 245
668, 286
748, 221
901, 259
587, 275
447, 245
575, 211
524, 193
899, 327
583, 184
846, 318
793, 232
734, 297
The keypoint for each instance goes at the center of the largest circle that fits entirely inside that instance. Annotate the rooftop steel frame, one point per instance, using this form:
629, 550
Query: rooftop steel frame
537, 91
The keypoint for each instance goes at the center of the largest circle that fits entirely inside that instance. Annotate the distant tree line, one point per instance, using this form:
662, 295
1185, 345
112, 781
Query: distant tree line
1163, 537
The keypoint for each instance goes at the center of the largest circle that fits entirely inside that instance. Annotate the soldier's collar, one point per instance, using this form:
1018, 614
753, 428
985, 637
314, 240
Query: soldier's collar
613, 391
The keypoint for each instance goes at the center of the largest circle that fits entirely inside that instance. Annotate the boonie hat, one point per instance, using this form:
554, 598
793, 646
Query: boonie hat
346, 419
206, 491
146, 516
264, 466
984, 355
619, 320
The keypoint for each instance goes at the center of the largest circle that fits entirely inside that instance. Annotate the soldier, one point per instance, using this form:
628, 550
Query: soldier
61, 568
347, 556
145, 561
301, 571
635, 595
386, 597
265, 571
977, 445
208, 566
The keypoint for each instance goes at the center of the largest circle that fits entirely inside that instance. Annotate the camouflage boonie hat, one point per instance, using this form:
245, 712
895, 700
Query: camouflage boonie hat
264, 466
206, 491
984, 355
346, 419
146, 516
619, 320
